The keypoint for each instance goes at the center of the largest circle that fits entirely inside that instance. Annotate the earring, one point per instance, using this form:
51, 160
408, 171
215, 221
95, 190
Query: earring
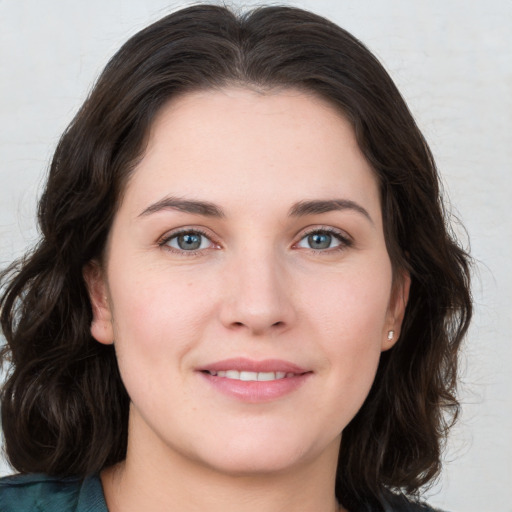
391, 335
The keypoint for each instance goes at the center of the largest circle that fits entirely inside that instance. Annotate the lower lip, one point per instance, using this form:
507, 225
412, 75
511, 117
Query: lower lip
256, 391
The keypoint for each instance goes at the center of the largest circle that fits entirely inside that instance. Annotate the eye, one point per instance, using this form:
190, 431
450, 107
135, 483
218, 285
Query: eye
324, 239
187, 241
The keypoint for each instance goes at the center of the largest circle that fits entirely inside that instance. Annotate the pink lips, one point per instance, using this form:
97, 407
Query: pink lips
254, 391
248, 365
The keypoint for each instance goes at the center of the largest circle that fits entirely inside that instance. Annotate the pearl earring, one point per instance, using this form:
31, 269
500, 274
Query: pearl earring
391, 335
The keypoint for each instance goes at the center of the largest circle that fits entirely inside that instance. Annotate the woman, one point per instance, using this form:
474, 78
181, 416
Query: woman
245, 295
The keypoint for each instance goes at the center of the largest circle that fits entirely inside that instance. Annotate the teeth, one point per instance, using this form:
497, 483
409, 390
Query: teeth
266, 376
251, 376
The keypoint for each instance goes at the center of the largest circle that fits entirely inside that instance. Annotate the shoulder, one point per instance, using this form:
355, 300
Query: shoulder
402, 504
43, 493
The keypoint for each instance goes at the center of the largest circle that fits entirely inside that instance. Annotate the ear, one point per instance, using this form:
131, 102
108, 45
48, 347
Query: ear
101, 325
396, 310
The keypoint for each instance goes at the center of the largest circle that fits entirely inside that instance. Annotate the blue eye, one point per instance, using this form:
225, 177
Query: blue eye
188, 241
319, 240
322, 240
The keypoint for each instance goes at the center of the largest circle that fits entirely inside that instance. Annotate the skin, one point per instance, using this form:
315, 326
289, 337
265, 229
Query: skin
255, 289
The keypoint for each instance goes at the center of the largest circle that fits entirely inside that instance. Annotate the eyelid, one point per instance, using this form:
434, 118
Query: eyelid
342, 236
169, 235
345, 239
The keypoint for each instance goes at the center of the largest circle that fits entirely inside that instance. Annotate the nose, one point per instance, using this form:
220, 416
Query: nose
257, 295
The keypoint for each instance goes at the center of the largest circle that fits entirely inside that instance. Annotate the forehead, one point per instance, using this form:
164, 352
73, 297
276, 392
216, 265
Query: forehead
238, 144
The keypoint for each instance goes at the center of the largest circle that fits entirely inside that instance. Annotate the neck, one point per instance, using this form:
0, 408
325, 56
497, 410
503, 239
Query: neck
124, 493
157, 480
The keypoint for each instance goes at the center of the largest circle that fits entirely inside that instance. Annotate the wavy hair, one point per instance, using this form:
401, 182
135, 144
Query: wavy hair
64, 406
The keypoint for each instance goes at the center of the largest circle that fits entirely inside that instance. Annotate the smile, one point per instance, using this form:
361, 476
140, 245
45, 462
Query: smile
251, 376
253, 381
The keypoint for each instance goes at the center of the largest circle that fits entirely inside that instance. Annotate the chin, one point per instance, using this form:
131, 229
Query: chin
250, 465
261, 455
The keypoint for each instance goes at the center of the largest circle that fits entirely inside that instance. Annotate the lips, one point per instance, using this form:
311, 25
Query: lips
251, 376
255, 381
241, 364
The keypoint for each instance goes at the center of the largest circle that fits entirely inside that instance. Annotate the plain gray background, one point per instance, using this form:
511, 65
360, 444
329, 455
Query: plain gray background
451, 59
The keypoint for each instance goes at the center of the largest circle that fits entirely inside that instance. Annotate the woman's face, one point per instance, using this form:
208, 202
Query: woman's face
246, 284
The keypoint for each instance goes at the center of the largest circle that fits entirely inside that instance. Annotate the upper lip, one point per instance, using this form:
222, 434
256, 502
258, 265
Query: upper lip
249, 365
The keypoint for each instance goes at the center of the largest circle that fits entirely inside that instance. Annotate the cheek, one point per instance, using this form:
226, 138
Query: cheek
352, 307
158, 311
350, 317
158, 321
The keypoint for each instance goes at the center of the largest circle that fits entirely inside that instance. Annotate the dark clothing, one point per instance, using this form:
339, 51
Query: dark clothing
41, 493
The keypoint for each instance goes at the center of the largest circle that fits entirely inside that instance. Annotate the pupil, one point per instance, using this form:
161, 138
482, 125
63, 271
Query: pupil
189, 242
319, 241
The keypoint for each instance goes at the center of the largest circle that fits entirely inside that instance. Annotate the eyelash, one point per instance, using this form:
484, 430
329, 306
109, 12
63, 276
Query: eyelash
345, 241
167, 238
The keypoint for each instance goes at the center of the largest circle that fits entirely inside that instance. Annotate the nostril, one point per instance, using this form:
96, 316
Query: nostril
242, 324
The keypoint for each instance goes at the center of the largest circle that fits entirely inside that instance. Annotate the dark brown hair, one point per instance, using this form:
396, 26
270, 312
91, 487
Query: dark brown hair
64, 407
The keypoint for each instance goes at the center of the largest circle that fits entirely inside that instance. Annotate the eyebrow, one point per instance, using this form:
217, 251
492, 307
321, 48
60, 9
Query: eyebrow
208, 209
203, 208
316, 207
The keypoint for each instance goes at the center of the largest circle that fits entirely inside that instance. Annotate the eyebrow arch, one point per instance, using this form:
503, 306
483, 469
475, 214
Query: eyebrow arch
208, 209
185, 205
323, 206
